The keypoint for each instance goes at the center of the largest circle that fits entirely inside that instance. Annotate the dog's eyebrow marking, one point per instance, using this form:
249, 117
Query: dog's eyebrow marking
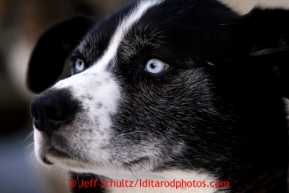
122, 29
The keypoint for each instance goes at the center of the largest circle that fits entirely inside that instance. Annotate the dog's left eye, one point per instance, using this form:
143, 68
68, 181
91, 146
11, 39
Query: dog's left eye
156, 66
79, 65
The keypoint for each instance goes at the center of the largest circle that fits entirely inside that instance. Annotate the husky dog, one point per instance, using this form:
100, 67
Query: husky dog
169, 92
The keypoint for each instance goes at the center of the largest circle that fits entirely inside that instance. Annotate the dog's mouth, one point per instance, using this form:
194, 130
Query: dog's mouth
46, 161
55, 153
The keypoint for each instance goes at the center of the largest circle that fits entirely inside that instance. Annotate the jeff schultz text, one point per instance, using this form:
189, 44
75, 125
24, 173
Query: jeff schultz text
147, 183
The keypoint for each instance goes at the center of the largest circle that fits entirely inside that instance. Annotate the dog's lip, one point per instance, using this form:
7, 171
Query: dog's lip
54, 152
57, 153
46, 161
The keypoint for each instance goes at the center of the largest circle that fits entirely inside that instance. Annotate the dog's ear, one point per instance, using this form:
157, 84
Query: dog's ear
265, 48
52, 48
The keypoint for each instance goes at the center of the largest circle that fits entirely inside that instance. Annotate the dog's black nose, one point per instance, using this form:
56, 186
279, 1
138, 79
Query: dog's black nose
50, 112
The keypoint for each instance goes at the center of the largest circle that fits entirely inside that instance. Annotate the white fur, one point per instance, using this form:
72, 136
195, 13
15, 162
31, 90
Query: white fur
122, 29
38, 140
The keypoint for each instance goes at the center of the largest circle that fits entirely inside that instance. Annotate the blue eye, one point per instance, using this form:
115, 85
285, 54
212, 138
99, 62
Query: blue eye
79, 65
156, 66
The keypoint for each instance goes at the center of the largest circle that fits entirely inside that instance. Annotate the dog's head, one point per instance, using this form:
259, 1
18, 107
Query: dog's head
163, 85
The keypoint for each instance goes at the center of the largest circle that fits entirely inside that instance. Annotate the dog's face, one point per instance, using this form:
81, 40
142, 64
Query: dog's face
157, 86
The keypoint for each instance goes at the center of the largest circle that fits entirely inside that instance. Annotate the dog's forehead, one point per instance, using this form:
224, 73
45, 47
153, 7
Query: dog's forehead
103, 41
156, 24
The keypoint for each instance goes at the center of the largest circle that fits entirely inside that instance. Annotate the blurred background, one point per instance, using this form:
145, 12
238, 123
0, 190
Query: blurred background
21, 22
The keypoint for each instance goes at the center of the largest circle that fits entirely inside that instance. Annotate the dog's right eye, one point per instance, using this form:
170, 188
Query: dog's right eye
155, 66
79, 65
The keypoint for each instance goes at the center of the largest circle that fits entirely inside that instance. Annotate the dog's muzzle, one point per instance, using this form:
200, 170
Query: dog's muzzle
51, 111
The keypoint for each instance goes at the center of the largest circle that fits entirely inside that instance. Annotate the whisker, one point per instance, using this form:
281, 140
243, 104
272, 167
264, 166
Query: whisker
29, 135
29, 145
